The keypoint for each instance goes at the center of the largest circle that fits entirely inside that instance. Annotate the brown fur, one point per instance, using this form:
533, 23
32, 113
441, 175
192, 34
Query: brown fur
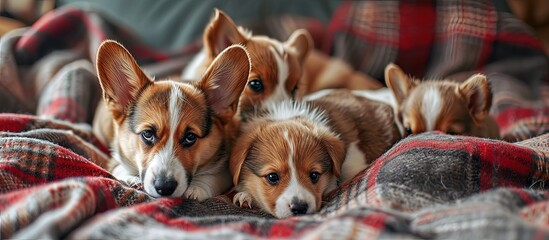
136, 103
309, 70
360, 119
263, 148
321, 71
314, 154
222, 32
263, 69
464, 108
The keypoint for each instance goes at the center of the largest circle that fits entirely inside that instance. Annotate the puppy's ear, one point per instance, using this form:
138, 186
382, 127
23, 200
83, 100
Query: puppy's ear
221, 33
239, 153
336, 151
398, 82
300, 42
476, 92
120, 77
225, 80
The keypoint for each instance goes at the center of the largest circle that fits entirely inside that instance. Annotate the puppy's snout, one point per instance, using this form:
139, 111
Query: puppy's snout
164, 186
299, 207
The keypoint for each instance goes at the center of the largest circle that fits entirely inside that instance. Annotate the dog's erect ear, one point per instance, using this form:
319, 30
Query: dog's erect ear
399, 83
120, 77
221, 33
301, 43
336, 150
476, 92
225, 80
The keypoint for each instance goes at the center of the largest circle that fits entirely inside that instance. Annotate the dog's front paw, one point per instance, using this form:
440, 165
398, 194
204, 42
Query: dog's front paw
198, 193
243, 199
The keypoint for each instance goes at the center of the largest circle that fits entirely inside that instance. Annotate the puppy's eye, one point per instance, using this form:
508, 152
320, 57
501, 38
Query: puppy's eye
408, 130
189, 139
272, 178
314, 177
148, 136
256, 85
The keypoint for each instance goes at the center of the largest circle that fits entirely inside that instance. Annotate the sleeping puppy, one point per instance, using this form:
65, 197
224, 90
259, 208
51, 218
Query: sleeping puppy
167, 135
292, 153
443, 105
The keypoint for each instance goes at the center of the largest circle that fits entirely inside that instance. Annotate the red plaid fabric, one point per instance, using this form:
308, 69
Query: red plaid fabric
53, 183
449, 39
432, 39
67, 28
51, 57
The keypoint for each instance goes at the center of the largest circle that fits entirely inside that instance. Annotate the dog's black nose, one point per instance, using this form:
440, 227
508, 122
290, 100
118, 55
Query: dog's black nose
165, 187
299, 207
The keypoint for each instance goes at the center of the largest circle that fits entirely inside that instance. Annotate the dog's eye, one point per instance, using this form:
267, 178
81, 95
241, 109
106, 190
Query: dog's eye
272, 178
189, 140
408, 130
148, 137
314, 177
256, 85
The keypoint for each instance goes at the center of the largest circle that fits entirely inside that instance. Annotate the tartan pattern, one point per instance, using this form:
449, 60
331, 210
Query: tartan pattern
66, 99
477, 26
53, 183
467, 166
419, 188
380, 30
496, 43
475, 31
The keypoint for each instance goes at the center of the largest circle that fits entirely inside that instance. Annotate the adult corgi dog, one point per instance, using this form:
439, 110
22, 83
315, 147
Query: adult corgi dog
280, 70
443, 105
168, 135
292, 153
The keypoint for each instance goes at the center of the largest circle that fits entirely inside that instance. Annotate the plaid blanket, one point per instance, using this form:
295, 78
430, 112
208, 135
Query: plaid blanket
53, 183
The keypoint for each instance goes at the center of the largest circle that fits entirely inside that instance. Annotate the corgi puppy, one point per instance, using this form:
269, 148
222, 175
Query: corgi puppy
292, 153
276, 66
280, 70
446, 106
167, 135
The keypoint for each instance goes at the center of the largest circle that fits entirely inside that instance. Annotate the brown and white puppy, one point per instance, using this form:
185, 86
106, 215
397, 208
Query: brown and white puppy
276, 66
292, 153
280, 70
168, 135
444, 105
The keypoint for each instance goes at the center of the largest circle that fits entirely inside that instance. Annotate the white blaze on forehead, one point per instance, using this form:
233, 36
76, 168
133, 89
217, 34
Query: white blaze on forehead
165, 163
175, 108
281, 58
431, 106
294, 188
174, 112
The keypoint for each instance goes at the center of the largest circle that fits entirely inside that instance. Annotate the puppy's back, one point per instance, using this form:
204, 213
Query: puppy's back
358, 119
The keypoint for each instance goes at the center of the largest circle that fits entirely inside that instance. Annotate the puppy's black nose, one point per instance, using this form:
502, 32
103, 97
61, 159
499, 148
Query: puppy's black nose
165, 187
299, 207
